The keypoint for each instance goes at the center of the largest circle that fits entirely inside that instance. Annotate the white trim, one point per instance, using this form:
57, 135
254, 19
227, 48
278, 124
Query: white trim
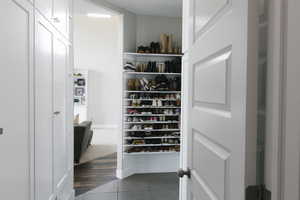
290, 165
72, 195
105, 126
274, 111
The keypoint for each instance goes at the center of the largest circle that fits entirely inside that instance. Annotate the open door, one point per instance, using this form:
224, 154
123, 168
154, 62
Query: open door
221, 57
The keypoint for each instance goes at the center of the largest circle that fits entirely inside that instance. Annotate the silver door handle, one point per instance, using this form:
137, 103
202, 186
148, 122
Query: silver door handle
1, 131
56, 113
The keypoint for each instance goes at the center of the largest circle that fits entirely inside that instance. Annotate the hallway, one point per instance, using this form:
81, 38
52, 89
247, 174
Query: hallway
137, 187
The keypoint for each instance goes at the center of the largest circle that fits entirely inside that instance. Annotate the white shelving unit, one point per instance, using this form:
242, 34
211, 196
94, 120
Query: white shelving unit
151, 55
154, 136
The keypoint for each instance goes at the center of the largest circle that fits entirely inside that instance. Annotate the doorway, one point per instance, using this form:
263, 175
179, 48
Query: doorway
96, 50
149, 147
136, 170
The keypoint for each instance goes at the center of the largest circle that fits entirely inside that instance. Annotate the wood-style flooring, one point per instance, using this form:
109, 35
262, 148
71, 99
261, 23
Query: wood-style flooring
90, 175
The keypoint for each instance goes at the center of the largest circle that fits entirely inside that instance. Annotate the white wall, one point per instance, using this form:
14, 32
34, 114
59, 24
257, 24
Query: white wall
96, 48
149, 29
129, 23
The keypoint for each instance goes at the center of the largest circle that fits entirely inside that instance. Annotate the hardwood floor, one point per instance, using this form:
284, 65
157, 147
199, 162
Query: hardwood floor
95, 173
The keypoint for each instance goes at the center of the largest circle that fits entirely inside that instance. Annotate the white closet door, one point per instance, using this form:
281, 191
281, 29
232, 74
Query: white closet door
60, 15
44, 111
59, 120
222, 62
16, 19
45, 7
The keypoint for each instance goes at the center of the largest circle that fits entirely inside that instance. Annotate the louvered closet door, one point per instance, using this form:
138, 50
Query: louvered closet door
44, 111
16, 40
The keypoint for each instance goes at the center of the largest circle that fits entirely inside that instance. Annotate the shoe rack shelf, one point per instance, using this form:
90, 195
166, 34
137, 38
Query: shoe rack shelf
158, 92
151, 130
151, 112
149, 108
153, 107
154, 122
175, 153
149, 138
150, 115
151, 73
152, 55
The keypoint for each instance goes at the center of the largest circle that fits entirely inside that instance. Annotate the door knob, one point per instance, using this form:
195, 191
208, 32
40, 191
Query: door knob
181, 173
56, 113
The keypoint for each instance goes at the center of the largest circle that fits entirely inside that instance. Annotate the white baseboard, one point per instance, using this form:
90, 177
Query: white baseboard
72, 195
123, 173
105, 126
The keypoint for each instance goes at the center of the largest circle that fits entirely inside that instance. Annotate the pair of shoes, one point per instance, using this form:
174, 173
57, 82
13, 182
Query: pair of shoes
155, 47
129, 67
136, 102
136, 127
157, 103
151, 67
144, 83
143, 49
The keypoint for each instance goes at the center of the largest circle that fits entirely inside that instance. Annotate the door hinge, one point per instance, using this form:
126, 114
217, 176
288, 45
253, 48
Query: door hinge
257, 192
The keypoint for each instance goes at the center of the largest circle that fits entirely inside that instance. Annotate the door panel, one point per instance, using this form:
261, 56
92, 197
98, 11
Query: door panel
59, 120
206, 14
60, 14
45, 7
16, 39
222, 104
44, 109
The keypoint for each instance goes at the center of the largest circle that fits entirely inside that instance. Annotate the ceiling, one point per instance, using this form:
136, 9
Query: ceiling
168, 8
82, 7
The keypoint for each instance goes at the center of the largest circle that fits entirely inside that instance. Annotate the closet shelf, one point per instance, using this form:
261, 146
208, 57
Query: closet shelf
160, 107
152, 73
152, 54
151, 130
164, 92
151, 153
149, 138
151, 99
149, 145
150, 115
154, 122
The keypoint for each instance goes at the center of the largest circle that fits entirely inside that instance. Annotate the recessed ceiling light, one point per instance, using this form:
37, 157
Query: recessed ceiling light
96, 15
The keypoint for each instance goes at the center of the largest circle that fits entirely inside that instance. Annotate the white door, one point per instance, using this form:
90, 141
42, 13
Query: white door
16, 40
221, 56
60, 140
60, 15
43, 110
45, 7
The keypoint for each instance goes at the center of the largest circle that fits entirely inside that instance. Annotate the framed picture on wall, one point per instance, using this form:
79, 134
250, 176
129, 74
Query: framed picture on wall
79, 91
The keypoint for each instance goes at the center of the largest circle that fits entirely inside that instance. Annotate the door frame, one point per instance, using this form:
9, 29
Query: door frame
282, 139
120, 14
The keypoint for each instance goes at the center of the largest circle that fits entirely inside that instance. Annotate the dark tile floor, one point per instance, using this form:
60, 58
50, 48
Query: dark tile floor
163, 186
